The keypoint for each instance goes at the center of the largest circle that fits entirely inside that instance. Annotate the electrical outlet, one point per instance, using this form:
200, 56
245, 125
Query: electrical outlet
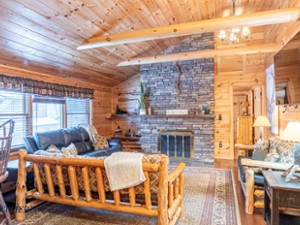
220, 144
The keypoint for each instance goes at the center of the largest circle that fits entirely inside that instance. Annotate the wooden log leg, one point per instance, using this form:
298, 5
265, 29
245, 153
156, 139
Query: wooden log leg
181, 191
163, 193
4, 209
21, 187
249, 193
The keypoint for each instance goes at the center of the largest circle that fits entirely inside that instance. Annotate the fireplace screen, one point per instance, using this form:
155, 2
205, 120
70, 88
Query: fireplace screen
176, 143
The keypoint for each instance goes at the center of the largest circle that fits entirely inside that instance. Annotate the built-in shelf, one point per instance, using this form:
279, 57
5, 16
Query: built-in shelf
209, 116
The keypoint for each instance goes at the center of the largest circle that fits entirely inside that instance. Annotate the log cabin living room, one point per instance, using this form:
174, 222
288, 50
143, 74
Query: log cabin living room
150, 112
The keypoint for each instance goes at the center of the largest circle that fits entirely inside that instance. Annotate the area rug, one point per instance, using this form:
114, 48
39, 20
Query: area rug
210, 199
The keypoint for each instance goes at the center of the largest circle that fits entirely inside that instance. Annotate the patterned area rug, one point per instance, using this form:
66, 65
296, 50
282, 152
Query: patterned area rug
210, 198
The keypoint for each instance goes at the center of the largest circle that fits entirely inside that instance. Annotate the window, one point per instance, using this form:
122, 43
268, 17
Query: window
78, 111
47, 114
15, 105
37, 114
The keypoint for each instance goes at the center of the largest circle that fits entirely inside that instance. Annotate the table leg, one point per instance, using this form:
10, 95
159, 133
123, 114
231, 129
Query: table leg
266, 203
275, 207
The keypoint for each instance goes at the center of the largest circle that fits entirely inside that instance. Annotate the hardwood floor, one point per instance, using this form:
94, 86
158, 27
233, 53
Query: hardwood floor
257, 218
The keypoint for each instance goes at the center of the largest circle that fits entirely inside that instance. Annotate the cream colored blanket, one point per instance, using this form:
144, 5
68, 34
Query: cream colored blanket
124, 169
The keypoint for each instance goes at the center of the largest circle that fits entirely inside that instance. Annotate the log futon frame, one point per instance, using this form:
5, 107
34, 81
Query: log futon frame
170, 189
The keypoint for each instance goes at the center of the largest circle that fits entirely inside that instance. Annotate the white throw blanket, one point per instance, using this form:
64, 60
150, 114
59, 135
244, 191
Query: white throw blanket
124, 169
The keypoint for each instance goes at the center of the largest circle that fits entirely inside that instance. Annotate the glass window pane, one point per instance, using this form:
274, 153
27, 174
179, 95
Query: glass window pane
15, 105
46, 117
78, 111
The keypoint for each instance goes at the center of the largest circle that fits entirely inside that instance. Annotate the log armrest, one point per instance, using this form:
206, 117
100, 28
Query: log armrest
176, 193
265, 165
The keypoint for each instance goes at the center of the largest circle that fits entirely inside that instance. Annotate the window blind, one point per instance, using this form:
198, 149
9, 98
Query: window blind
78, 111
15, 105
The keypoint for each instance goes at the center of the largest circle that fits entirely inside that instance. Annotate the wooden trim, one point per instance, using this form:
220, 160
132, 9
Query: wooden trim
203, 26
80, 162
254, 49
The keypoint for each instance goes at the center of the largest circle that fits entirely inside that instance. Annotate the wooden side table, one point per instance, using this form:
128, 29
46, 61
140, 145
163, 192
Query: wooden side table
279, 194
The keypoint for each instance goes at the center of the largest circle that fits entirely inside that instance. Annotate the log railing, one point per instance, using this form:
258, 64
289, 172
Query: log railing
170, 195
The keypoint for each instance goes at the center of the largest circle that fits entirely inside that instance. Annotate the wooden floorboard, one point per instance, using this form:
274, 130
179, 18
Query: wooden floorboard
257, 218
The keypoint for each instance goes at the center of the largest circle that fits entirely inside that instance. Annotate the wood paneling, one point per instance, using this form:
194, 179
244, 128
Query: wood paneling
125, 96
43, 37
100, 105
234, 73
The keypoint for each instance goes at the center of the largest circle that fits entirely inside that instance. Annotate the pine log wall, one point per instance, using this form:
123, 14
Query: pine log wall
282, 34
101, 105
125, 96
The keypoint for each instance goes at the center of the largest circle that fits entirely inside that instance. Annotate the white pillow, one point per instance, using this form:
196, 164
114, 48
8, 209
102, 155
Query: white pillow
70, 150
53, 149
101, 142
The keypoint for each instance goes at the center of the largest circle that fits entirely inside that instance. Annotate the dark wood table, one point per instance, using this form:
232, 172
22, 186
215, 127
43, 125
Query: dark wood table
279, 194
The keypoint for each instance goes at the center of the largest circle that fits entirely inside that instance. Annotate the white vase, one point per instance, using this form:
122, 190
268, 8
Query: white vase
142, 111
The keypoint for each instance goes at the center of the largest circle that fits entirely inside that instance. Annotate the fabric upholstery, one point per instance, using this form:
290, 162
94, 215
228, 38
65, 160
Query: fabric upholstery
284, 148
70, 150
261, 149
297, 154
100, 141
53, 149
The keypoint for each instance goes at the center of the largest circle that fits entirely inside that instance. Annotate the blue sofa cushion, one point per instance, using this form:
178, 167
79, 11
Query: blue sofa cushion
73, 135
45, 139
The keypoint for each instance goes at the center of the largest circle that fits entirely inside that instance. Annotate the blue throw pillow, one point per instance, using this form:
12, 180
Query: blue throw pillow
261, 149
297, 154
259, 154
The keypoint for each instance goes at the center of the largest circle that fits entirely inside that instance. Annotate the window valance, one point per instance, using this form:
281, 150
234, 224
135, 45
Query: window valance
43, 88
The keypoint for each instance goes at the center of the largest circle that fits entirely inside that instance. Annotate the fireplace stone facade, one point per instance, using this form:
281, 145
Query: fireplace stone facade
182, 85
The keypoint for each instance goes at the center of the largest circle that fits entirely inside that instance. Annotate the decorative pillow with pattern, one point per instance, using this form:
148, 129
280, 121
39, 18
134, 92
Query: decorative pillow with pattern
70, 150
101, 142
272, 157
53, 149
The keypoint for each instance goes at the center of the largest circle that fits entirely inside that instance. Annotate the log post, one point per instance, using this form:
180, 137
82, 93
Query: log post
147, 191
181, 192
163, 192
249, 192
21, 187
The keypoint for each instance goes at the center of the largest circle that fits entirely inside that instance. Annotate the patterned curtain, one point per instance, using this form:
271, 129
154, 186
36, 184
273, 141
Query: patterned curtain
43, 88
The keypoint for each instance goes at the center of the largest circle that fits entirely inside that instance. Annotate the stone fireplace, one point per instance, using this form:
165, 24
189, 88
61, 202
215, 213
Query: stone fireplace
181, 86
176, 143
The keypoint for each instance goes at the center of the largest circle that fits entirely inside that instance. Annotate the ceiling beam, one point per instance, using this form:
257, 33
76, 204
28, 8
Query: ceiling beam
255, 49
183, 29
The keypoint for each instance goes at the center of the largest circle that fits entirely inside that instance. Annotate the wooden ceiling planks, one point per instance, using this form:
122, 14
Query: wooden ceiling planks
43, 36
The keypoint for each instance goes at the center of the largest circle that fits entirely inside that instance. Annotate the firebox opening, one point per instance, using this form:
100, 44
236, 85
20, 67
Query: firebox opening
176, 143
